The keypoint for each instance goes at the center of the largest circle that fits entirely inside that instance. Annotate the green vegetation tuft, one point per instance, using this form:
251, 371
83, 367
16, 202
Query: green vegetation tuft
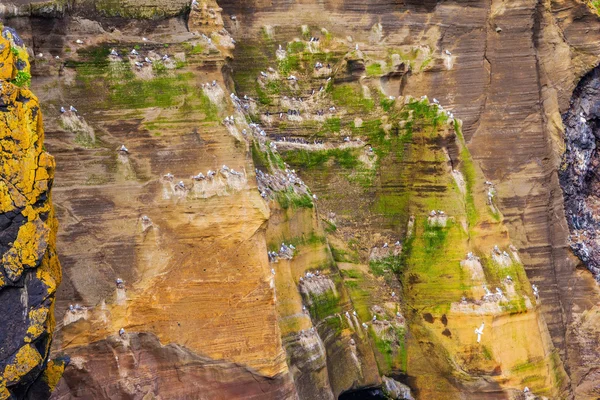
289, 64
273, 88
424, 113
434, 238
296, 47
329, 227
263, 96
393, 352
345, 158
193, 48
117, 85
119, 8
351, 273
23, 79
374, 69
487, 354
294, 200
382, 266
332, 125
259, 158
516, 306
340, 255
351, 97
387, 104
159, 68
162, 91
335, 323
393, 206
433, 272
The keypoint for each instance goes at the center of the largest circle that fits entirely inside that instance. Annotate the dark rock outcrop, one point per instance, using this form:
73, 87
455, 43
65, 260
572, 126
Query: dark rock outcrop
579, 177
30, 271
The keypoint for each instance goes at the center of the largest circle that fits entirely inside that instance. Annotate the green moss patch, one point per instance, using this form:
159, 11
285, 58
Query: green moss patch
345, 158
23, 79
394, 264
290, 199
393, 354
324, 305
351, 97
374, 69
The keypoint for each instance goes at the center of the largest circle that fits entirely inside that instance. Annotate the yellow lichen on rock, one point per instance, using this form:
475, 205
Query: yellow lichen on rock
24, 361
38, 319
14, 60
29, 260
6, 60
53, 373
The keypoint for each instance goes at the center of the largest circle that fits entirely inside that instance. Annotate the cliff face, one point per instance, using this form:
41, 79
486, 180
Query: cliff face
507, 71
30, 272
314, 200
420, 255
172, 277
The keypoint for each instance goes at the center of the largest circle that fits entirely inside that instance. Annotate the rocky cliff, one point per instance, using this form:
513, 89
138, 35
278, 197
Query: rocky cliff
319, 199
30, 272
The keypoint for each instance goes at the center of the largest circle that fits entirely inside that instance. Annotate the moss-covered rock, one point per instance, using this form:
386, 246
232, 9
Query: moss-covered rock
140, 9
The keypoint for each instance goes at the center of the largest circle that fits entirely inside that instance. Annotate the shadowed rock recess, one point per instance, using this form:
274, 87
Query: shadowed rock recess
303, 200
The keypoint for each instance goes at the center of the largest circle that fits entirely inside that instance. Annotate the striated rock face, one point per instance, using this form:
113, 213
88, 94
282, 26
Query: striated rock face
509, 87
146, 366
205, 16
389, 184
135, 9
30, 272
144, 9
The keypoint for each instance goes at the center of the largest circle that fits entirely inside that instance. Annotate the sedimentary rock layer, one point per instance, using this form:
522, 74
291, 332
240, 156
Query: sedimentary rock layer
508, 74
154, 249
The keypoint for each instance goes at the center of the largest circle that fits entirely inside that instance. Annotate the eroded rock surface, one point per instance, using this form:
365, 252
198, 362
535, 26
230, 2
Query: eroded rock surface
148, 369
